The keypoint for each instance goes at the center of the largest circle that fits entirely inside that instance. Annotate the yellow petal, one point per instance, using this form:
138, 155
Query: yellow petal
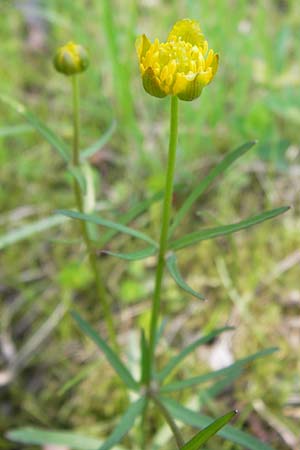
152, 85
192, 89
189, 31
215, 64
142, 45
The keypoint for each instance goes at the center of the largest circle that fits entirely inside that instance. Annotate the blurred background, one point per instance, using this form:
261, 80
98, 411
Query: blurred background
251, 279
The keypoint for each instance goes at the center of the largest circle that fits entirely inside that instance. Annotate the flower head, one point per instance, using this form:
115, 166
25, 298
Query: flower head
182, 66
71, 59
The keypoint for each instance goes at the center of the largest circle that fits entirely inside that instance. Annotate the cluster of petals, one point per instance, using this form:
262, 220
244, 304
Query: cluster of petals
181, 67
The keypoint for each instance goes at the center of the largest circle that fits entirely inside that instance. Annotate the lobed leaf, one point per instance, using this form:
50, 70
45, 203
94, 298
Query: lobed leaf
212, 233
189, 349
230, 433
171, 263
203, 185
203, 436
111, 356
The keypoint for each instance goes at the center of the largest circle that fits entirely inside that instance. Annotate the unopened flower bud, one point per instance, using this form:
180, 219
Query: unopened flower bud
71, 59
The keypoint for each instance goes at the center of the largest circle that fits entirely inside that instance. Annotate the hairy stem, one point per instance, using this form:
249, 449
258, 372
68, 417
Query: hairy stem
83, 225
167, 205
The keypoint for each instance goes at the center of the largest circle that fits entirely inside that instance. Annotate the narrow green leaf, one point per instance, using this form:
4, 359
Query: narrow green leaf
134, 256
196, 420
189, 349
107, 223
212, 233
37, 436
174, 272
25, 231
145, 363
39, 126
125, 424
206, 395
13, 130
111, 356
184, 384
203, 436
203, 185
131, 215
80, 376
99, 144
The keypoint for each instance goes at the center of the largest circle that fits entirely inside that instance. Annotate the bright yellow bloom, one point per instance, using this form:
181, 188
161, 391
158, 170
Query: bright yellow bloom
71, 59
182, 66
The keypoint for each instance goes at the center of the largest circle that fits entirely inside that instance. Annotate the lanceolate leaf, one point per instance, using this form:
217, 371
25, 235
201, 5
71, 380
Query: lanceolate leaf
194, 419
189, 349
174, 272
96, 146
134, 256
37, 436
111, 356
203, 185
40, 127
184, 384
211, 233
108, 224
203, 436
125, 424
130, 215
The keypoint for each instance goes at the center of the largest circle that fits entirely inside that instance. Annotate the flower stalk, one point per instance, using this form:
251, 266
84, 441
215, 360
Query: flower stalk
83, 225
166, 214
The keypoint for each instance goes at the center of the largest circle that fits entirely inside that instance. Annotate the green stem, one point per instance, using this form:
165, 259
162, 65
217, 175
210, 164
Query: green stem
167, 205
83, 226
175, 430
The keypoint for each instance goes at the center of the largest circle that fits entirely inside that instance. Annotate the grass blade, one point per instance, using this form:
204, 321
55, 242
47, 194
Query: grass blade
134, 256
13, 130
91, 218
111, 356
203, 436
194, 419
125, 424
203, 185
40, 127
212, 233
28, 230
174, 272
99, 144
37, 436
189, 349
241, 363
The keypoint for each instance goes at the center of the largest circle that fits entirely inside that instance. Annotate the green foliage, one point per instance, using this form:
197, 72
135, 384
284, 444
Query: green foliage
36, 436
203, 436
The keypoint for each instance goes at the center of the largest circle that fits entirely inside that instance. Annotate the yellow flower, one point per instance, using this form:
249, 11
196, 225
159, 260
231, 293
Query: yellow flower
182, 66
71, 59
